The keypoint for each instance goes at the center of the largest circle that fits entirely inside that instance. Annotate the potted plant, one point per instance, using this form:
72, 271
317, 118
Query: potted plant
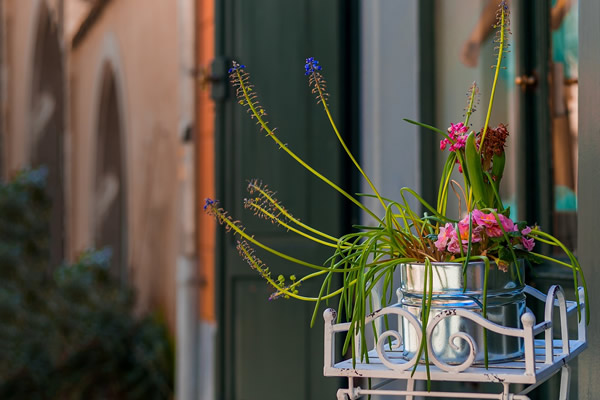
476, 261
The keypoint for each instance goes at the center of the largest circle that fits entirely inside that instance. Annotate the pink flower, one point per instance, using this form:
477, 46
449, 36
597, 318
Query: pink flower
446, 233
507, 223
463, 227
455, 129
491, 225
459, 166
457, 138
488, 221
529, 244
454, 246
460, 143
449, 237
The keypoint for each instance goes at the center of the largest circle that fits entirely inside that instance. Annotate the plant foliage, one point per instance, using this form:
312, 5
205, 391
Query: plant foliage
69, 332
369, 255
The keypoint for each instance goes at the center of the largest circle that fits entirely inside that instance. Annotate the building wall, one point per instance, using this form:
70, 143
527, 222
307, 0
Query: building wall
138, 41
150, 47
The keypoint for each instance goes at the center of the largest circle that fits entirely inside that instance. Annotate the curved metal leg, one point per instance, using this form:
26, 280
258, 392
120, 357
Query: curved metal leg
506, 391
565, 382
410, 386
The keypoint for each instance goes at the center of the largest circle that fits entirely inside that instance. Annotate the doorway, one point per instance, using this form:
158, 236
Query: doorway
110, 218
47, 124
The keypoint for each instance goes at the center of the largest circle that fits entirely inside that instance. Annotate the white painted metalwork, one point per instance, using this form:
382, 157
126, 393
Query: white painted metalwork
542, 357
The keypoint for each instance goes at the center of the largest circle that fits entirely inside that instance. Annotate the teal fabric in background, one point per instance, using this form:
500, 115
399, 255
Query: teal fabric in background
565, 41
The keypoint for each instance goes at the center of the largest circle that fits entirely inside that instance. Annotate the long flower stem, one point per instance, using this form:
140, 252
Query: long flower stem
491, 102
554, 260
291, 217
496, 74
283, 146
291, 228
231, 225
471, 103
343, 143
468, 113
287, 292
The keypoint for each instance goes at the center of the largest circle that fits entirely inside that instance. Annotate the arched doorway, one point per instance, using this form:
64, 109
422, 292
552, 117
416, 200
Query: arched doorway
110, 208
47, 123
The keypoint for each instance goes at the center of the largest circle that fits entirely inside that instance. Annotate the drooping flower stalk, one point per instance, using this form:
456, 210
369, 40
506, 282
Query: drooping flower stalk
247, 253
247, 97
260, 211
263, 192
318, 83
212, 208
576, 268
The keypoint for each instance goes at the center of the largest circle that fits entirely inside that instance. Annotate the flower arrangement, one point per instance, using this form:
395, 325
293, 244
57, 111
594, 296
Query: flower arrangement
369, 255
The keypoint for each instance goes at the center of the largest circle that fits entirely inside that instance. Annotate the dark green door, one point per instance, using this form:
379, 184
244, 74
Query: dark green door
266, 349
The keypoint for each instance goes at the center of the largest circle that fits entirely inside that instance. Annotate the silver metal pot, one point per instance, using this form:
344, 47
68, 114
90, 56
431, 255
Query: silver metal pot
505, 306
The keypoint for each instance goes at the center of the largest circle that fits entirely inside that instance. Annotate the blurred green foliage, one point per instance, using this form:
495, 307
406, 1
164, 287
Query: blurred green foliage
69, 332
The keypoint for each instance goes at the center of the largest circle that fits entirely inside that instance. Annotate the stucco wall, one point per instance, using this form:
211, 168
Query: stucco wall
138, 40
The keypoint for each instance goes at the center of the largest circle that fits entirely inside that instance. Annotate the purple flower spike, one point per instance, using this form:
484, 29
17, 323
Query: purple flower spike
311, 66
208, 203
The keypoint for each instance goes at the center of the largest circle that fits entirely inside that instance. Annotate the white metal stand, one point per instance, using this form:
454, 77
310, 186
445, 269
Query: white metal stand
542, 359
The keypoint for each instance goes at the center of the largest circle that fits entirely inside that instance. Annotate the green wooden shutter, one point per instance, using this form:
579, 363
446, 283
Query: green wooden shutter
266, 349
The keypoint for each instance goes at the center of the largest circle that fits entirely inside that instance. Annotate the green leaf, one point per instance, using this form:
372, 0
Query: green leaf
431, 128
505, 255
473, 162
498, 166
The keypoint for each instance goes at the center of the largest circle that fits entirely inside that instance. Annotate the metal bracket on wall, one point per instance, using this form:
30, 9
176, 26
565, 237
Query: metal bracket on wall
214, 76
205, 78
220, 87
